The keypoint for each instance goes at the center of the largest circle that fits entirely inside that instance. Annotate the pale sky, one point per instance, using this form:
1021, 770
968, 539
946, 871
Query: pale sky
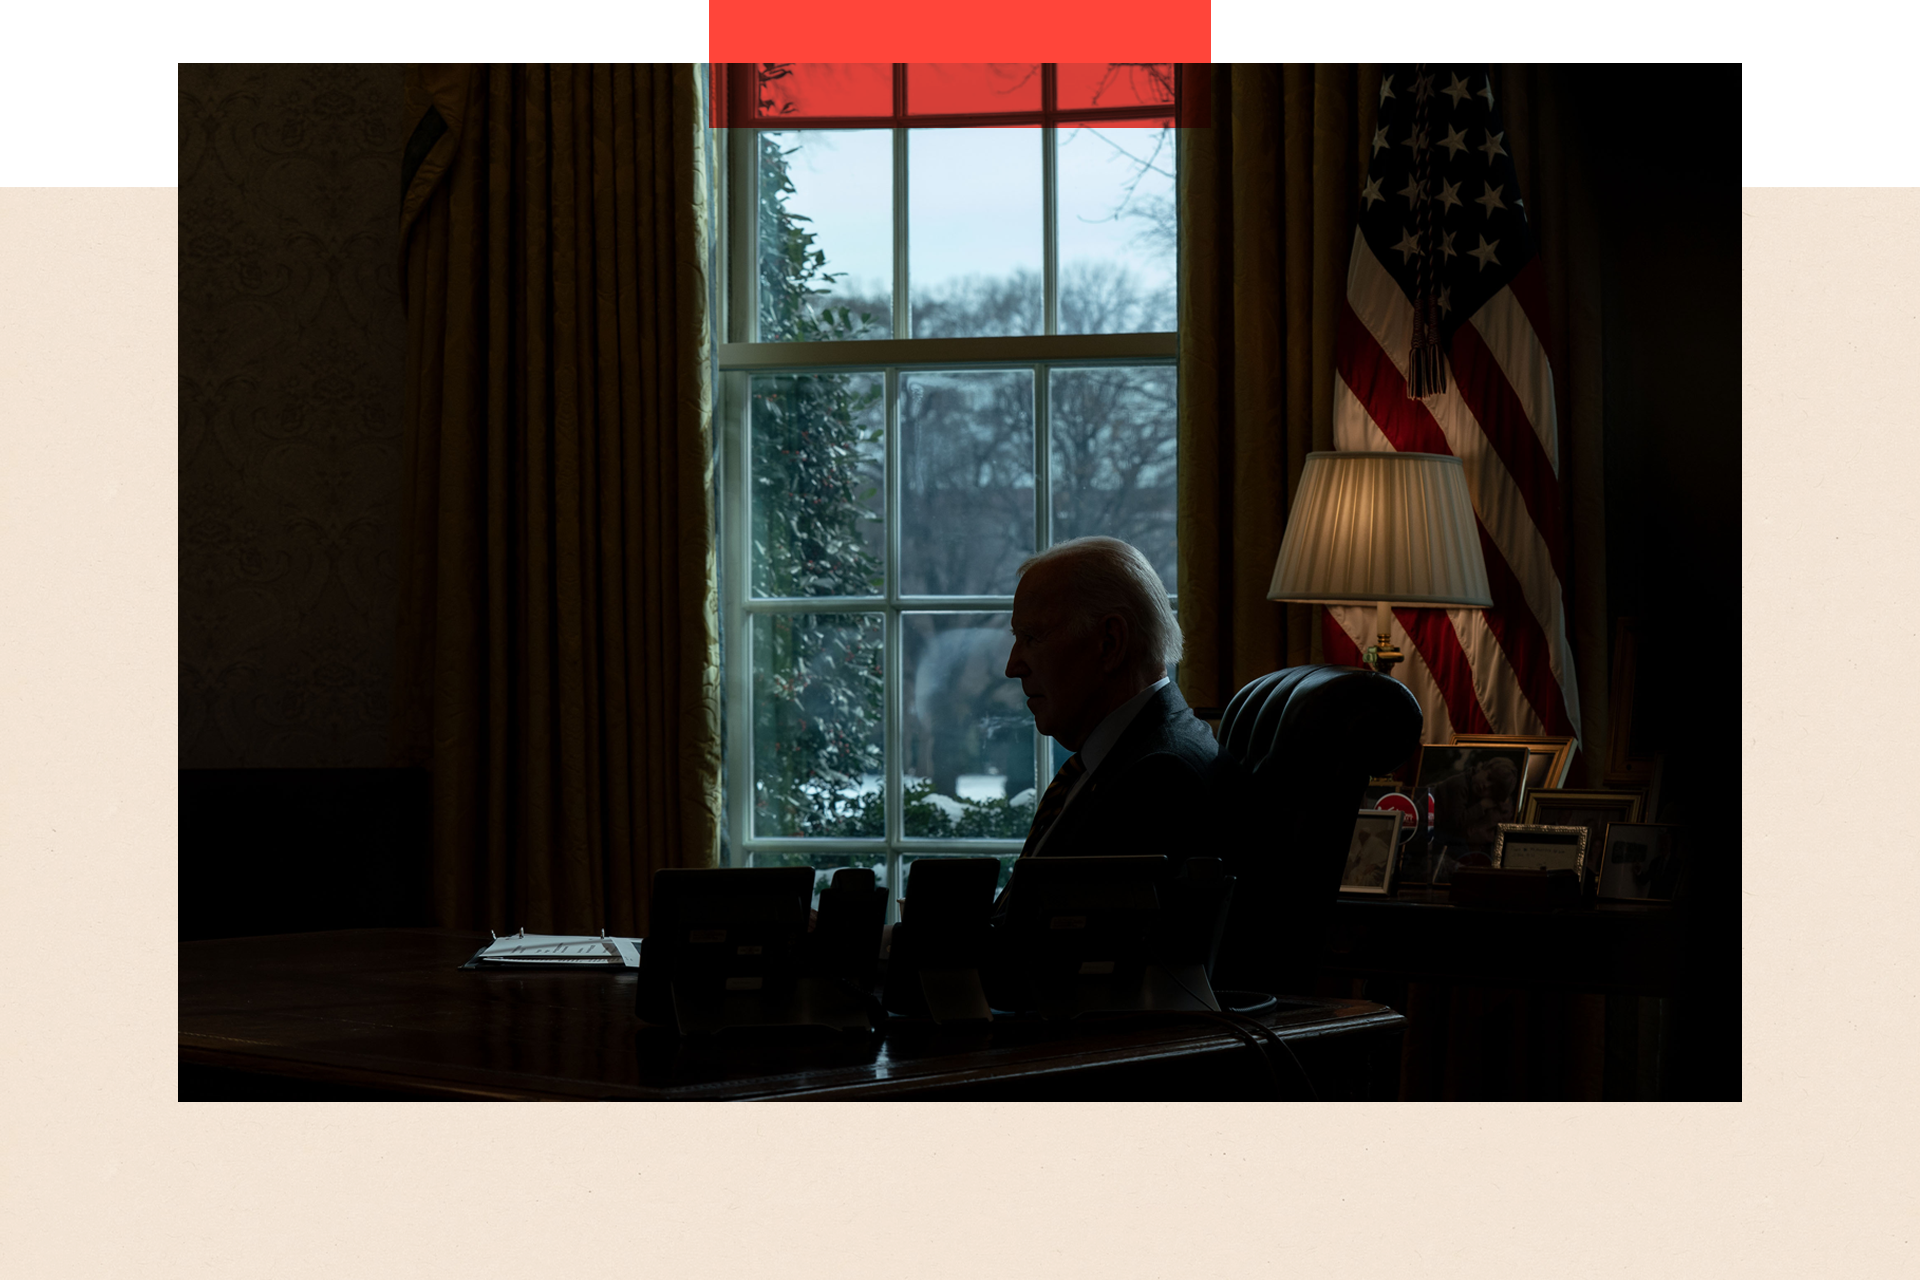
975, 202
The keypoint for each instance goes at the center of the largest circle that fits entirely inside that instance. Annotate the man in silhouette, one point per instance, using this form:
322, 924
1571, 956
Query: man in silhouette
1093, 638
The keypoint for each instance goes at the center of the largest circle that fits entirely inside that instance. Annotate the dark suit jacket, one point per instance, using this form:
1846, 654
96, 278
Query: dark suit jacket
1150, 795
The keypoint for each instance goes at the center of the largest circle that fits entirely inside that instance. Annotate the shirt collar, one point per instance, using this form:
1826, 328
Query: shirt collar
1108, 731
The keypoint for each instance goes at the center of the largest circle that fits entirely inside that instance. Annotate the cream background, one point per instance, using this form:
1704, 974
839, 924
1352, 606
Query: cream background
102, 1174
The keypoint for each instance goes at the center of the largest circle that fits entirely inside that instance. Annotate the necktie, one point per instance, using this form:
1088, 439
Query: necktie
1054, 801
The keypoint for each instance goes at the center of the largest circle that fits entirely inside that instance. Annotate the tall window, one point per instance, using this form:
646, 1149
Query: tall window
950, 322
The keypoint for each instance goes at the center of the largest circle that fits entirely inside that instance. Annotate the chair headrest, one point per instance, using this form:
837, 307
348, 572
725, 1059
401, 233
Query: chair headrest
1356, 718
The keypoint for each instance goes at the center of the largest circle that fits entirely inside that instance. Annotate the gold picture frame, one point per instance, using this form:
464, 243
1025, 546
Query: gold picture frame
1548, 759
1592, 809
1541, 847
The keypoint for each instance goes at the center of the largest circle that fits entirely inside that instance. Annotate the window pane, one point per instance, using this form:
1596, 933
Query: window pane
824, 88
826, 234
1117, 229
1113, 442
966, 475
817, 459
817, 731
1005, 859
974, 225
824, 865
1113, 84
1058, 754
949, 88
967, 740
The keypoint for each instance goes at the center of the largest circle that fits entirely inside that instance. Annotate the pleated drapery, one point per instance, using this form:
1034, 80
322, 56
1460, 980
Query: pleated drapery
1266, 214
558, 655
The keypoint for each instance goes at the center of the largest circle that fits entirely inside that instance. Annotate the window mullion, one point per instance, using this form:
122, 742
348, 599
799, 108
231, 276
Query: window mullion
813, 604
895, 791
902, 328
1042, 528
1050, 232
894, 685
738, 666
902, 320
743, 232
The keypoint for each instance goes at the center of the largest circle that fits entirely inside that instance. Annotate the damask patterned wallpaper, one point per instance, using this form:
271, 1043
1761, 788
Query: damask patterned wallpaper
291, 351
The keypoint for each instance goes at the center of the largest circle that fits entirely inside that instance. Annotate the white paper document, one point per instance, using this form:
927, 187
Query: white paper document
560, 949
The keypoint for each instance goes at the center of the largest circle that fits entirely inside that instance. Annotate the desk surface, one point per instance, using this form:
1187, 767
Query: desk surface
389, 1010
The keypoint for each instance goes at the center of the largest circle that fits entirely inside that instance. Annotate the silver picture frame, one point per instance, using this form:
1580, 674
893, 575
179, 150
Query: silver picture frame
1535, 847
1373, 853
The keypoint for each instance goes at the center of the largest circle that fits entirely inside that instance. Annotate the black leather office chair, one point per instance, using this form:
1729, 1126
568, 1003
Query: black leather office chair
1296, 749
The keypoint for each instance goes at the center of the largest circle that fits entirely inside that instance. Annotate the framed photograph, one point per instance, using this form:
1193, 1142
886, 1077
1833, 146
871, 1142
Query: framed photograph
1548, 759
1475, 789
1641, 862
1519, 847
1590, 809
1373, 852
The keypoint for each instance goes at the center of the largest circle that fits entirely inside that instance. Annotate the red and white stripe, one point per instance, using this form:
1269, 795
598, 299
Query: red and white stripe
1508, 669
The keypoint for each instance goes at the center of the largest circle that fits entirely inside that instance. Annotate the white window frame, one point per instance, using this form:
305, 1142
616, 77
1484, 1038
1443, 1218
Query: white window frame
740, 356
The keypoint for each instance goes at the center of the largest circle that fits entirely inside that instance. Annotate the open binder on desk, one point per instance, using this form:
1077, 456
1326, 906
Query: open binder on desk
525, 950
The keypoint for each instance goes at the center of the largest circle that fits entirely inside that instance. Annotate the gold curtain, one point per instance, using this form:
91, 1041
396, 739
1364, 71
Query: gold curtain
1267, 204
558, 648
1267, 214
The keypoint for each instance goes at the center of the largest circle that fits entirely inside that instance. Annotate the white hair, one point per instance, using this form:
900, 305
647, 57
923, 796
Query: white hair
1109, 576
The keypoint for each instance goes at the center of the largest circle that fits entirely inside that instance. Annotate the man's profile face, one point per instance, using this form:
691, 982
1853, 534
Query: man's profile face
1056, 657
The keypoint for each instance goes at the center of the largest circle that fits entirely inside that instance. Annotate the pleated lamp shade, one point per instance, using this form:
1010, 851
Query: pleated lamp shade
1382, 528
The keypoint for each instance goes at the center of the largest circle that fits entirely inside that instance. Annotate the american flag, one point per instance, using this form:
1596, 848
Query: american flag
1444, 264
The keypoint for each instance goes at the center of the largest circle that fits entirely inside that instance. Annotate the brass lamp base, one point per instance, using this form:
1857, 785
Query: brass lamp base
1382, 654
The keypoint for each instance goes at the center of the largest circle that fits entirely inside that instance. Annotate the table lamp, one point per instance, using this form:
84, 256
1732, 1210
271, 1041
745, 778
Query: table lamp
1383, 529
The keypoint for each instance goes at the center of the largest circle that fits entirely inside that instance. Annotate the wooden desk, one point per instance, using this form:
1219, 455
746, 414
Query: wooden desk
387, 1013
